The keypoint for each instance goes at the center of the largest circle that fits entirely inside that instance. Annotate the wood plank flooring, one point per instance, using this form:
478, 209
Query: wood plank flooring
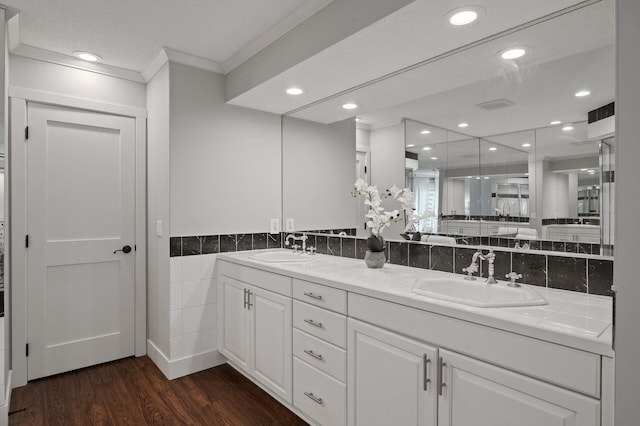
133, 391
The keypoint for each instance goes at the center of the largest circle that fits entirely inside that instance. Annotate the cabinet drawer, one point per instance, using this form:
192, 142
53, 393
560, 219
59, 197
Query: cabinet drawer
318, 395
322, 355
263, 279
320, 295
321, 323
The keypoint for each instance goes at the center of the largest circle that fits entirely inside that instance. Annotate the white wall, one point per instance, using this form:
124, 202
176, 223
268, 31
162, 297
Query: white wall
453, 196
318, 173
555, 193
387, 168
158, 208
625, 274
53, 78
225, 160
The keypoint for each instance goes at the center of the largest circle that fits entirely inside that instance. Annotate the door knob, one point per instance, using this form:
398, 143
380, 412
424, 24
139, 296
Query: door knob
125, 249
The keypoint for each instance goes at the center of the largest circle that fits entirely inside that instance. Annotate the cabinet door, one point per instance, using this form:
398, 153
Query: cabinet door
391, 378
233, 339
476, 393
271, 340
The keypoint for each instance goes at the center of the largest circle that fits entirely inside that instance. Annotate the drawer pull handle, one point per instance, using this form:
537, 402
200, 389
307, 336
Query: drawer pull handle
313, 354
313, 323
314, 398
313, 296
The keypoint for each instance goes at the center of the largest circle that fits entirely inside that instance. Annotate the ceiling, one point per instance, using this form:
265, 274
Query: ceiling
569, 49
128, 34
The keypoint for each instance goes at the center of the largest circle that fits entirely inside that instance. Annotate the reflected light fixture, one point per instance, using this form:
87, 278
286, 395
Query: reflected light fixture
87, 56
425, 132
514, 53
555, 122
469, 177
427, 148
526, 145
462, 125
294, 91
410, 145
434, 158
349, 106
567, 128
493, 148
486, 177
582, 93
464, 15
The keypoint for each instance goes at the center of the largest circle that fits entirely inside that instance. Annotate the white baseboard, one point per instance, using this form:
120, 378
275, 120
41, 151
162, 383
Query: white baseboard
172, 369
4, 408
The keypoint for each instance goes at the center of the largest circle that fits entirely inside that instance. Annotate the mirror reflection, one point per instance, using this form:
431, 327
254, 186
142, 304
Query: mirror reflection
500, 153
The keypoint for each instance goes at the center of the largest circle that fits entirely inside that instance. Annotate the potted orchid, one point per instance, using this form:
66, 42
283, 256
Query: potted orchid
378, 219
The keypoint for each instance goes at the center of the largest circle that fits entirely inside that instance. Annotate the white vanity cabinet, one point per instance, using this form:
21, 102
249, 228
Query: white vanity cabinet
255, 328
472, 392
319, 352
391, 378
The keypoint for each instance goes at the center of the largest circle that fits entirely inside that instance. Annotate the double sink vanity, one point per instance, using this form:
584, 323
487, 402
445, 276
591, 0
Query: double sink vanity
338, 343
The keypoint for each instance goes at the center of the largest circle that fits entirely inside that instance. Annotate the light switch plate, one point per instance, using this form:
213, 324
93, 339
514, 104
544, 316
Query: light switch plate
159, 228
289, 227
275, 226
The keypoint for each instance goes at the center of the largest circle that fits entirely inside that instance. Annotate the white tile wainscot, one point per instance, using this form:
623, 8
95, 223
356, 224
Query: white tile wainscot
419, 359
193, 328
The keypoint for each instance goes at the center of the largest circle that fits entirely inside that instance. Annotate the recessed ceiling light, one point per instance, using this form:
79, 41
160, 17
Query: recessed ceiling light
461, 125
477, 177
425, 132
427, 148
87, 56
582, 93
567, 128
469, 177
591, 171
464, 15
486, 177
493, 148
294, 91
434, 158
526, 145
349, 106
357, 119
526, 174
410, 145
515, 53
583, 170
556, 122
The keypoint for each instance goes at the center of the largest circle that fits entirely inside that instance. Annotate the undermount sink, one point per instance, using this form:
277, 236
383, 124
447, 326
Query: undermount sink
477, 293
287, 256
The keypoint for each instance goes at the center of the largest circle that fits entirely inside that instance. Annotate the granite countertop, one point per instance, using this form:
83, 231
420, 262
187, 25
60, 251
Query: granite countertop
573, 319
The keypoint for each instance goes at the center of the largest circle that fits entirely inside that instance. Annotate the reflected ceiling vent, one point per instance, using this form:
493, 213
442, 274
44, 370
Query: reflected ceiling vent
583, 143
495, 104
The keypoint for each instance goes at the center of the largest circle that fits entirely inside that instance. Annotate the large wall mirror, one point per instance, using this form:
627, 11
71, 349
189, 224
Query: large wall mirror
498, 152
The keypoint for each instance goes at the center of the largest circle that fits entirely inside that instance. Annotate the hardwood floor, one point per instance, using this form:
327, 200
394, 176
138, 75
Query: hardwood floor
133, 391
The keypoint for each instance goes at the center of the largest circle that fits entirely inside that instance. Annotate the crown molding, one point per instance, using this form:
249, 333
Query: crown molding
166, 54
16, 47
309, 9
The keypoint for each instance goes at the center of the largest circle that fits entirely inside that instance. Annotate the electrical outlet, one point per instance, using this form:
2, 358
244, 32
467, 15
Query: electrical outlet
275, 226
159, 228
289, 225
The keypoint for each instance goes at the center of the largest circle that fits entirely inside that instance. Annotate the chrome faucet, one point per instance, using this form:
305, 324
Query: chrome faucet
489, 257
295, 247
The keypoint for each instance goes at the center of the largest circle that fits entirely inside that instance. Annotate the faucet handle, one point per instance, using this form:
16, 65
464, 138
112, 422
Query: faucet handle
470, 270
295, 248
513, 276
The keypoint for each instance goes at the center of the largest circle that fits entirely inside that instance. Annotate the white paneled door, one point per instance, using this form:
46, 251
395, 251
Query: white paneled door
81, 248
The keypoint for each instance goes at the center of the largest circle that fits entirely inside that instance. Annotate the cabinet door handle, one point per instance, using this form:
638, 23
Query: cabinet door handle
313, 354
249, 304
425, 366
245, 298
313, 296
441, 383
313, 323
314, 398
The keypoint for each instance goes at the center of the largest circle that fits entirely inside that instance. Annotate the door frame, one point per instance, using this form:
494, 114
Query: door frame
17, 154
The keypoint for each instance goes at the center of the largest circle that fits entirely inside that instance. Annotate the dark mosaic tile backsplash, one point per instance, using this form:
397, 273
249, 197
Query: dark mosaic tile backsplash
581, 274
